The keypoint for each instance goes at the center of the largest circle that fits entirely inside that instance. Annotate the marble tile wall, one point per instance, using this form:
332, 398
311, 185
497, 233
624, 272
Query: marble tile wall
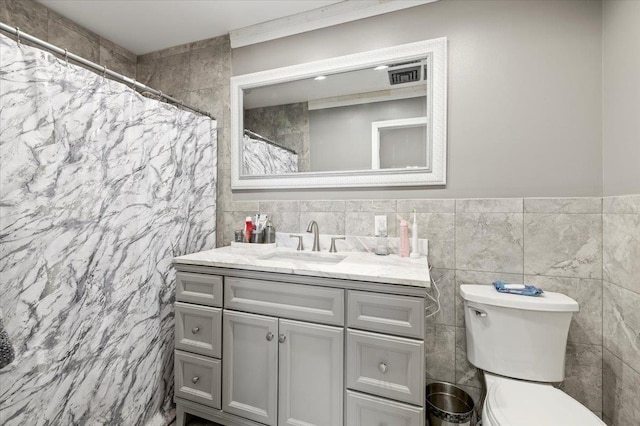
549, 242
621, 315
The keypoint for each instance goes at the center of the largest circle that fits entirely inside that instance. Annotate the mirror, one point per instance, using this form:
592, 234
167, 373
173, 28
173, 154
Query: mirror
370, 119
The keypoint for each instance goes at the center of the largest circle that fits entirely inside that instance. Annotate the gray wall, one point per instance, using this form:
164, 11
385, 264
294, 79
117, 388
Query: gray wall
621, 97
524, 92
347, 130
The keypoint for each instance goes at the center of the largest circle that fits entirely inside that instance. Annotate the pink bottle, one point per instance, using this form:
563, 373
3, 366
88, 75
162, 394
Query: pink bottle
404, 249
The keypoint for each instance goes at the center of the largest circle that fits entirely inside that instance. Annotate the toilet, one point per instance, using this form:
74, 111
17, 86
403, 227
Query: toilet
520, 342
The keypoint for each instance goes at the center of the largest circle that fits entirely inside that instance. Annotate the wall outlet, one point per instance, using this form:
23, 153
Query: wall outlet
380, 225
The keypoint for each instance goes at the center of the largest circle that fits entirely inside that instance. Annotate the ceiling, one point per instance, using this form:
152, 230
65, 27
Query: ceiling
143, 26
344, 88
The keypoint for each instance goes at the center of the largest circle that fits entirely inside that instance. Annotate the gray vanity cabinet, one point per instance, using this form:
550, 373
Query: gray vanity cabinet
257, 348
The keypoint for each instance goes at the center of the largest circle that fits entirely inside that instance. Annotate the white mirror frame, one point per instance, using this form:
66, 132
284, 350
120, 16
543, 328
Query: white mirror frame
434, 174
401, 123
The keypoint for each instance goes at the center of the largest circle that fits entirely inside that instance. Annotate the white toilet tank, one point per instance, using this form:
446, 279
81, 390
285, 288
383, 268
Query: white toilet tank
517, 336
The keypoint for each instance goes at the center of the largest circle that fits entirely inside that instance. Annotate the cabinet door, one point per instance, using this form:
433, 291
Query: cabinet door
250, 366
311, 374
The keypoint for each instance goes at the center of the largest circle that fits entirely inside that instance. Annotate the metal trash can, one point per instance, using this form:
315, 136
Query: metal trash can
448, 405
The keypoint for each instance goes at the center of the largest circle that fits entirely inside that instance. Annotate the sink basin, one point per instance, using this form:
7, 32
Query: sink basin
304, 257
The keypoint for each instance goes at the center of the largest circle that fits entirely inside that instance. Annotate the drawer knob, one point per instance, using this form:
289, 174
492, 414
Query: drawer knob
382, 367
195, 330
269, 336
282, 338
195, 379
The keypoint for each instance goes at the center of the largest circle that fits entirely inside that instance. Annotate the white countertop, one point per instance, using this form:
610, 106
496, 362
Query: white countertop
357, 266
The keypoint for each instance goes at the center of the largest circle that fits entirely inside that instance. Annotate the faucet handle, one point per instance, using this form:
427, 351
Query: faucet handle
299, 237
332, 249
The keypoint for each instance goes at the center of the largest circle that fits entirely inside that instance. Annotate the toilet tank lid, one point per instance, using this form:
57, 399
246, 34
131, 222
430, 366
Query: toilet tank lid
548, 301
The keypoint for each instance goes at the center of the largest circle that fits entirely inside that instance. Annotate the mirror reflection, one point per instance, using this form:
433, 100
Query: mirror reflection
366, 119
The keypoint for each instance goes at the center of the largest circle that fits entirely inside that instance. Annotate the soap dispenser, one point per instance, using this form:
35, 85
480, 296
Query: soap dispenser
269, 233
382, 244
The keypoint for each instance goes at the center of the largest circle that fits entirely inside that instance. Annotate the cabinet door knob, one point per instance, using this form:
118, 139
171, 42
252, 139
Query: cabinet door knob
195, 330
195, 379
269, 336
282, 338
382, 367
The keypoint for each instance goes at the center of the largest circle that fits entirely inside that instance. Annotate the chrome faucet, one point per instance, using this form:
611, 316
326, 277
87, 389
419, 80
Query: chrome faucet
313, 227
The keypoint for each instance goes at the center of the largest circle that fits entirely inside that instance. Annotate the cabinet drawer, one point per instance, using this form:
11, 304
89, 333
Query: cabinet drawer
366, 410
197, 378
295, 301
388, 366
199, 288
402, 315
198, 329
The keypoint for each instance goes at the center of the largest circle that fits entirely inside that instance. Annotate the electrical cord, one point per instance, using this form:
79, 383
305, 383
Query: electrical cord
436, 300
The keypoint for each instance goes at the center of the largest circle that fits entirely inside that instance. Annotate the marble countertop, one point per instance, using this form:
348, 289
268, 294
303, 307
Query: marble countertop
356, 266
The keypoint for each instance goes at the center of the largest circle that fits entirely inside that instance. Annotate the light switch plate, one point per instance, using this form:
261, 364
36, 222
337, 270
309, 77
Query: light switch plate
380, 225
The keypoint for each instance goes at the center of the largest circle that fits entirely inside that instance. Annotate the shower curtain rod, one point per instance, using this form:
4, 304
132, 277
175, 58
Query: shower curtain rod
254, 135
104, 70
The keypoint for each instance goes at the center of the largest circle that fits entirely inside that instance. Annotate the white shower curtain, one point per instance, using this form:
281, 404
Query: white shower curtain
100, 188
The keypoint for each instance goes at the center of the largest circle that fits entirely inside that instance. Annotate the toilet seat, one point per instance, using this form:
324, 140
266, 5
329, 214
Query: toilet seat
516, 403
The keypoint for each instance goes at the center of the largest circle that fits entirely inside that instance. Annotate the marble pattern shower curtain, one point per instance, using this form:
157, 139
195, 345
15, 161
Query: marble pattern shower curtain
100, 188
262, 158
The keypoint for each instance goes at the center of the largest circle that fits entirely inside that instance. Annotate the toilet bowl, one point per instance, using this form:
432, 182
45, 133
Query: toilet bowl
520, 343
512, 402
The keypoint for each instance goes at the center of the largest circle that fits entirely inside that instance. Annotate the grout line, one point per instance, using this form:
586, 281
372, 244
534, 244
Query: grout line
602, 292
523, 240
455, 292
619, 359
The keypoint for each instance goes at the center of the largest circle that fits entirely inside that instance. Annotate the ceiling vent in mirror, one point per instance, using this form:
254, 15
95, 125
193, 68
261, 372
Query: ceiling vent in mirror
405, 74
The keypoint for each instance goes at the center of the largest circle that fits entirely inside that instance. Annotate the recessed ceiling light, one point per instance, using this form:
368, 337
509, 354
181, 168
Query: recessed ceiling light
381, 67
320, 77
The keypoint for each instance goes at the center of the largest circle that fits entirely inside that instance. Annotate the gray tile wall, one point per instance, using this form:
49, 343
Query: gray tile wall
287, 125
552, 243
621, 310
39, 21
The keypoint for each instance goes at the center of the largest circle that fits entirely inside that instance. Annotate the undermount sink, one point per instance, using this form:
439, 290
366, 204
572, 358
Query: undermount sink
304, 257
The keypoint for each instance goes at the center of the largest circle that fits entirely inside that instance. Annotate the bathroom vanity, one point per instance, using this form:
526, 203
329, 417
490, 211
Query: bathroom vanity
292, 338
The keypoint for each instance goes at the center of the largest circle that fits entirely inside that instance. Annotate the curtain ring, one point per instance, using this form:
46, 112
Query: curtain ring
18, 34
133, 85
66, 56
104, 71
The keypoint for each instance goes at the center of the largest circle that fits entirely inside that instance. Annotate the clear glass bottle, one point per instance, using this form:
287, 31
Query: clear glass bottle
382, 245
